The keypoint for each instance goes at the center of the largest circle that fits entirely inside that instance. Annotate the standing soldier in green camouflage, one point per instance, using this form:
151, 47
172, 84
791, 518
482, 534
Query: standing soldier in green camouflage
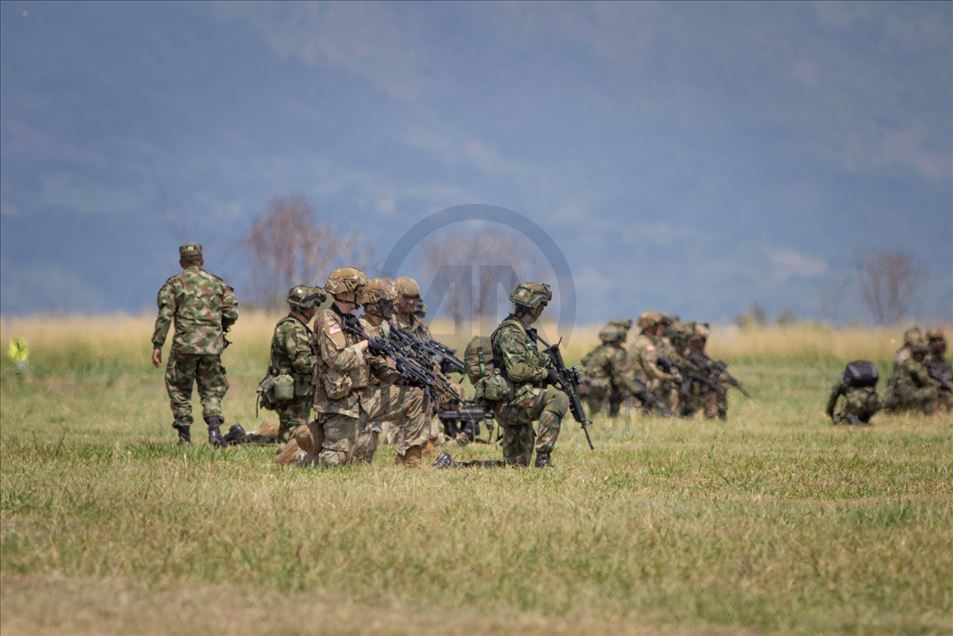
939, 368
292, 360
203, 308
532, 381
645, 354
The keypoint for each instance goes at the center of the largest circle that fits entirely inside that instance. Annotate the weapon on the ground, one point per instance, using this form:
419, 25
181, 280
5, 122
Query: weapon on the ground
942, 372
413, 370
649, 400
717, 368
440, 353
466, 419
568, 379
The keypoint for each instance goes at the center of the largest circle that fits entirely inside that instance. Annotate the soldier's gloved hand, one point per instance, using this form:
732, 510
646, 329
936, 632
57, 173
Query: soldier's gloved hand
551, 376
676, 377
375, 345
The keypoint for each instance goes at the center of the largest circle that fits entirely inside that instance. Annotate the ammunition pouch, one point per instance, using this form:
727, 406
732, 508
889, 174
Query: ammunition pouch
493, 388
283, 387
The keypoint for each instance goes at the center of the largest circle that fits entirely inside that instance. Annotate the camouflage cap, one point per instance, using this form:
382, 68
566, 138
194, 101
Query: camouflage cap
345, 280
190, 250
377, 289
305, 296
912, 336
407, 286
648, 319
935, 334
531, 295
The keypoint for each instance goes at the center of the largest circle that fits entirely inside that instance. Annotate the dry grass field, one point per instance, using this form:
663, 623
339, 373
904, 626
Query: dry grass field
773, 521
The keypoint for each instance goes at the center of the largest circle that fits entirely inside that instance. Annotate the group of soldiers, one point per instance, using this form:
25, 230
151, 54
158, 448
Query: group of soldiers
338, 380
350, 371
921, 382
665, 371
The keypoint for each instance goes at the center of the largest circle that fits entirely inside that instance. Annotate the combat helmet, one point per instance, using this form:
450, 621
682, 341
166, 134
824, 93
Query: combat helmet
615, 330
378, 296
345, 280
935, 333
531, 295
304, 297
701, 331
407, 287
912, 336
648, 319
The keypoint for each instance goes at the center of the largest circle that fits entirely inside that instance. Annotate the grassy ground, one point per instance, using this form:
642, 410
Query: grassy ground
772, 522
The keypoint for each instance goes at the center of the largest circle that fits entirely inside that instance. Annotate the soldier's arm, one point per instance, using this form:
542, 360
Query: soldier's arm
836, 392
517, 360
648, 359
166, 302
335, 351
298, 349
229, 308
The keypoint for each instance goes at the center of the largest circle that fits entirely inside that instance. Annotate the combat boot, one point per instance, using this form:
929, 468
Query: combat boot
410, 459
445, 460
185, 437
235, 435
543, 459
214, 435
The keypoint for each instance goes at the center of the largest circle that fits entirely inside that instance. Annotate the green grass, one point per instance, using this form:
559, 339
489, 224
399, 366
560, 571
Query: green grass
772, 522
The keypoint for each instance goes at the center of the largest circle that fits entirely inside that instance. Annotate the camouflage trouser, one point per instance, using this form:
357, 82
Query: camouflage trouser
204, 370
292, 414
516, 417
946, 400
667, 392
597, 397
712, 402
348, 439
905, 396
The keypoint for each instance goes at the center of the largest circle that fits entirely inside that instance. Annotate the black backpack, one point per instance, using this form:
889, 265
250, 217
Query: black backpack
861, 373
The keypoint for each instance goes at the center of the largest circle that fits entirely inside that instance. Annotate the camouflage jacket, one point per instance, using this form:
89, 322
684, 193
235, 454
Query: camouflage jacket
381, 372
415, 326
516, 353
202, 307
902, 355
341, 370
855, 397
912, 373
292, 348
607, 365
644, 355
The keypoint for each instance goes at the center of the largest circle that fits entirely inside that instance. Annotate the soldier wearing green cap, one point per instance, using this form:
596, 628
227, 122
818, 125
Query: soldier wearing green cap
288, 388
532, 381
203, 308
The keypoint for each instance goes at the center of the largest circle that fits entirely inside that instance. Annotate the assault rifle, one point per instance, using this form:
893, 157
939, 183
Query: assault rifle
942, 372
649, 400
716, 368
568, 378
436, 351
466, 419
413, 370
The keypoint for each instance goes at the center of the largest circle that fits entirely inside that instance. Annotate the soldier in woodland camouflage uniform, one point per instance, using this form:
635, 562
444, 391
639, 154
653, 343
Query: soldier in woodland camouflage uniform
912, 336
608, 375
712, 401
532, 381
936, 359
348, 404
860, 403
203, 308
292, 353
644, 354
911, 388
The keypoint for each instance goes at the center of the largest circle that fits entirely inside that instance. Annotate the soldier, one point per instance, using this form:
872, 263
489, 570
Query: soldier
609, 376
203, 308
910, 387
531, 379
292, 356
644, 354
939, 368
859, 391
911, 337
347, 404
712, 397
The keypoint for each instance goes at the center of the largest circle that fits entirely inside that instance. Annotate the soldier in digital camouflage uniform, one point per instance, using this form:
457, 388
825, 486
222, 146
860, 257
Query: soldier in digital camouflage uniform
203, 308
348, 405
860, 403
609, 378
535, 396
936, 358
292, 353
644, 355
711, 398
911, 388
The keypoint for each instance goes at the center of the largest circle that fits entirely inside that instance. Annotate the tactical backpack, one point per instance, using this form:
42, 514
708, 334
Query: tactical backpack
484, 374
860, 374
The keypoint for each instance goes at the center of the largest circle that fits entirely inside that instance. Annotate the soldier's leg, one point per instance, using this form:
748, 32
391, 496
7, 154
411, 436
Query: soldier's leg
340, 438
179, 377
927, 399
404, 405
293, 414
710, 403
213, 385
555, 405
615, 403
721, 402
517, 444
